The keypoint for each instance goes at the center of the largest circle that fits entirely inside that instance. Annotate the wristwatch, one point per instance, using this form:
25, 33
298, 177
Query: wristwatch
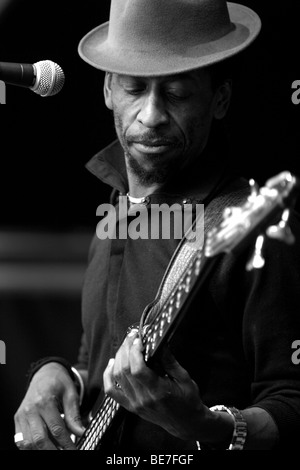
240, 426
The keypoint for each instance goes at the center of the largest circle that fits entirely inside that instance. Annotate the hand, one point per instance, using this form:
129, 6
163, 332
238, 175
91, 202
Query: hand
171, 401
51, 392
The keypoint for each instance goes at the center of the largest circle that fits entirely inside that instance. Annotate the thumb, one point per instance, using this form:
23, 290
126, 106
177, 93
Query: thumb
72, 414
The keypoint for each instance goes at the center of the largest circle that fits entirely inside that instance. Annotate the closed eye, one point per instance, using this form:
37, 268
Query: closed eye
177, 96
134, 91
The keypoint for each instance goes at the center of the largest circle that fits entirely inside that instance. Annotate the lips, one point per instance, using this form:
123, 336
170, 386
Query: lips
154, 143
153, 146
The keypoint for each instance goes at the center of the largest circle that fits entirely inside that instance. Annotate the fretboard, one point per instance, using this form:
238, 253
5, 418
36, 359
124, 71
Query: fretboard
99, 425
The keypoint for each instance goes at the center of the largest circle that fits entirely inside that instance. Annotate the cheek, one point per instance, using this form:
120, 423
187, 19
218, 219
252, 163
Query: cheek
124, 114
197, 125
197, 112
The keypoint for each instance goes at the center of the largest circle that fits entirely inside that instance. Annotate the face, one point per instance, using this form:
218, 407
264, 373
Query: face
163, 122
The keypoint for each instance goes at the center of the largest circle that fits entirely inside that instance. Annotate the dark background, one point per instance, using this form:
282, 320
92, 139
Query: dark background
49, 200
45, 142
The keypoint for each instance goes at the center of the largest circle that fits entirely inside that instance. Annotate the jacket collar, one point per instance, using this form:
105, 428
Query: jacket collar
109, 166
197, 182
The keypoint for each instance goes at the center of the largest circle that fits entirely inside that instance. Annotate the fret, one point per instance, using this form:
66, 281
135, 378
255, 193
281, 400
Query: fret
99, 425
197, 267
163, 317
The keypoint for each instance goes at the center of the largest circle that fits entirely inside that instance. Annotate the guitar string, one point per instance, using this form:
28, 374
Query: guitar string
163, 311
99, 424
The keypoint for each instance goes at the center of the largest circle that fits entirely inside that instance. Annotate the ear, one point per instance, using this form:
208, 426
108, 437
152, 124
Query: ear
222, 99
107, 90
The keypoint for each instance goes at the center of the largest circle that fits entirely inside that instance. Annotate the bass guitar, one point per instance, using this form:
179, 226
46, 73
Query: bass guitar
264, 213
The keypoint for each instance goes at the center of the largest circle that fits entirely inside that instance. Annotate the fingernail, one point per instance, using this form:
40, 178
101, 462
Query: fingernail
133, 332
111, 362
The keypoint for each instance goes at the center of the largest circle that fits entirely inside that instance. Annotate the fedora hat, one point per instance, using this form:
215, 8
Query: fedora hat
163, 37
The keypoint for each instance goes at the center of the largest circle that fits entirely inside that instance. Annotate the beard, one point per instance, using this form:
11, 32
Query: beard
152, 169
157, 174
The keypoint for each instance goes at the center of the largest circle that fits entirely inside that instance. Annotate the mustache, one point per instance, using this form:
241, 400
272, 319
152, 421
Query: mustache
154, 139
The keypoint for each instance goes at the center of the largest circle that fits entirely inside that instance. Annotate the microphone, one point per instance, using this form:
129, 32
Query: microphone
46, 78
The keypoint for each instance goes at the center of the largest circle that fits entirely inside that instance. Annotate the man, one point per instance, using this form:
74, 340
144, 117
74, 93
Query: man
226, 378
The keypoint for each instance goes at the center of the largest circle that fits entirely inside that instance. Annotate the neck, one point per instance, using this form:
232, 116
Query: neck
138, 189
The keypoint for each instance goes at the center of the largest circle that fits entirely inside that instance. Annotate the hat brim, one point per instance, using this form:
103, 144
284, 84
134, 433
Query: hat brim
95, 49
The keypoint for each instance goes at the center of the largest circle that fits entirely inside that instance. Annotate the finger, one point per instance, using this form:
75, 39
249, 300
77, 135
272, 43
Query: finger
22, 432
57, 428
137, 363
145, 377
169, 382
121, 365
109, 380
139, 369
35, 436
111, 388
116, 384
39, 434
121, 371
72, 415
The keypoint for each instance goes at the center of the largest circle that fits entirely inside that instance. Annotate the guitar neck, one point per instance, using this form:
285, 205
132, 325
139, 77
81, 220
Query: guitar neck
166, 317
99, 425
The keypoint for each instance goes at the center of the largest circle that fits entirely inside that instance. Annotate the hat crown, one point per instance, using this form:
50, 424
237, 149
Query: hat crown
163, 37
177, 24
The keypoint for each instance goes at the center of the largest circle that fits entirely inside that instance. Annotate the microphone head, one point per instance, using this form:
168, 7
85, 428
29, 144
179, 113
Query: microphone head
50, 78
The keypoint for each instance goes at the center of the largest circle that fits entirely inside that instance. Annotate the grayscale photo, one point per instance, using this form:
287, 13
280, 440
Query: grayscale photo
150, 228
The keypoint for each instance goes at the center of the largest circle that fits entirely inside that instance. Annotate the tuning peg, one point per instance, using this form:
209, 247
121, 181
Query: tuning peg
231, 211
254, 188
282, 230
256, 261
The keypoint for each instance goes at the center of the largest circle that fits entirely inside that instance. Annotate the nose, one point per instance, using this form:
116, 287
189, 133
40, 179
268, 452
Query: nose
153, 113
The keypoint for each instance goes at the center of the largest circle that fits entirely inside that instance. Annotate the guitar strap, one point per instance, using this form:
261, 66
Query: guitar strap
227, 194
